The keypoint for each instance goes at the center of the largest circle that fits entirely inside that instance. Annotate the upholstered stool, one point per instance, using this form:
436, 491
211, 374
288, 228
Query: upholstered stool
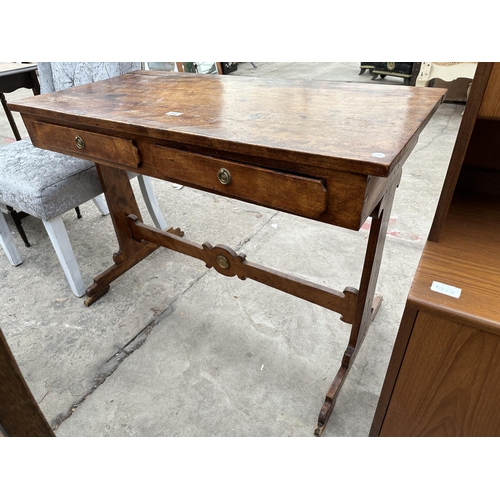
45, 184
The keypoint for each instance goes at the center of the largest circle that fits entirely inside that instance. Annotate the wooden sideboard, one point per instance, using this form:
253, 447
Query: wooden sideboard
443, 378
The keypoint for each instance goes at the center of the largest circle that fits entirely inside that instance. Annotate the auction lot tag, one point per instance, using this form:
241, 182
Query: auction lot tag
452, 291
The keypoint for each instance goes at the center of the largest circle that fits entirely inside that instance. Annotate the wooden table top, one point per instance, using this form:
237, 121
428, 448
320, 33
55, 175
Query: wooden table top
361, 128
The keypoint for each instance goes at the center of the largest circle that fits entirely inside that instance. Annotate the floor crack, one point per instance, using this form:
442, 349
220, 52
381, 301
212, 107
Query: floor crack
110, 366
438, 134
244, 241
112, 363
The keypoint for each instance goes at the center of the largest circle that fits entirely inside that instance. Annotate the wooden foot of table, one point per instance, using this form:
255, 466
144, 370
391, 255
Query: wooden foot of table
121, 201
338, 381
96, 296
367, 306
101, 283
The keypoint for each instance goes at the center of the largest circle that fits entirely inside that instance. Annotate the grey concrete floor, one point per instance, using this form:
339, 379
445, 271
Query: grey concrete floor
175, 349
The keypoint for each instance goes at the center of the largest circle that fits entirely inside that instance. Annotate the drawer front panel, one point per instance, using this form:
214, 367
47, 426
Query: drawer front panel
97, 147
291, 193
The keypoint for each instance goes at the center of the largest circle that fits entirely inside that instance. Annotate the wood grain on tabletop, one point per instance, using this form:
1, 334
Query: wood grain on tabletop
317, 122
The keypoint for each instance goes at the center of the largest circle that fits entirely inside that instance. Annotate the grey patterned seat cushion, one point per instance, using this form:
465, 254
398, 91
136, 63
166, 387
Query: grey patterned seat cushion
43, 183
46, 184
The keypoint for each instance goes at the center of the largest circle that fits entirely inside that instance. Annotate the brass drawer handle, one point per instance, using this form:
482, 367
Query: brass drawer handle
80, 144
224, 176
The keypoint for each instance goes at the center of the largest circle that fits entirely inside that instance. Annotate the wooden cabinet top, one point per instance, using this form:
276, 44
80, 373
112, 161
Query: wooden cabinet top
466, 257
361, 128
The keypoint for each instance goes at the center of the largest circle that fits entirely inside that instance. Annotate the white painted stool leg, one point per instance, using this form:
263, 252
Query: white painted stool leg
101, 204
60, 241
150, 200
424, 74
7, 242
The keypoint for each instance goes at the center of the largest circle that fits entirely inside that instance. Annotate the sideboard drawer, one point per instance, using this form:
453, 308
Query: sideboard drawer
90, 145
291, 193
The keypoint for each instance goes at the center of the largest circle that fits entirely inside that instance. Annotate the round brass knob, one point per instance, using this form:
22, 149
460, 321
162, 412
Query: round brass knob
222, 261
80, 144
224, 176
391, 66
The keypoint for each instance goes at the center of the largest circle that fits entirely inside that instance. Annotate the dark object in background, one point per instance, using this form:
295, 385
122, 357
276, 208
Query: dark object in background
366, 66
399, 69
229, 67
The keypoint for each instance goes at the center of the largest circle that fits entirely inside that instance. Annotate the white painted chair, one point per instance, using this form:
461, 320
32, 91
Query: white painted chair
447, 71
46, 184
8, 243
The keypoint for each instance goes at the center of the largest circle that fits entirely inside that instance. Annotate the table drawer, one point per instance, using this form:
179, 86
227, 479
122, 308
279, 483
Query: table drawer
97, 147
279, 190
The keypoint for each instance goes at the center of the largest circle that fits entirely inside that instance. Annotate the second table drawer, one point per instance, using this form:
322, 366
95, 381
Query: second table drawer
280, 190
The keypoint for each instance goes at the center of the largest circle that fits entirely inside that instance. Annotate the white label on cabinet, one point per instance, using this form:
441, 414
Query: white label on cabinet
452, 291
173, 113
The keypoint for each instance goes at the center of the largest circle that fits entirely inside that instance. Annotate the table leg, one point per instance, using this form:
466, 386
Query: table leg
367, 305
8, 113
121, 202
35, 84
132, 249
